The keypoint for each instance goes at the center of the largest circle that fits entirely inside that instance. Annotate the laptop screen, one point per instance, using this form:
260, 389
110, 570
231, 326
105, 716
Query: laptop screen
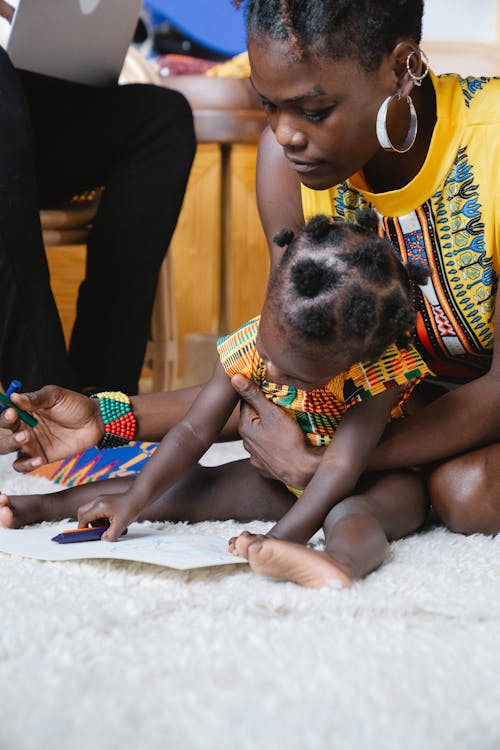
79, 40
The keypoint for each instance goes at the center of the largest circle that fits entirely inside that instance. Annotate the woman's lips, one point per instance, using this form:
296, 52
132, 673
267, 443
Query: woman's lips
303, 167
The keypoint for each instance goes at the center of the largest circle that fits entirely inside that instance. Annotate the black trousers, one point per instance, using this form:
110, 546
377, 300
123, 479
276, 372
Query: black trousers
58, 139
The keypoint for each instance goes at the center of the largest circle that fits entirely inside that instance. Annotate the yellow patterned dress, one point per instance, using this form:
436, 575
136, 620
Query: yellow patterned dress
448, 218
319, 412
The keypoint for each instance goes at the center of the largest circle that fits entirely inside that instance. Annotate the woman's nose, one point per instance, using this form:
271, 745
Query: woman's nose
287, 134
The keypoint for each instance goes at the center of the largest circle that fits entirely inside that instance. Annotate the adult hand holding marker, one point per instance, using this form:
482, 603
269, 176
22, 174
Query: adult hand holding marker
68, 423
5, 403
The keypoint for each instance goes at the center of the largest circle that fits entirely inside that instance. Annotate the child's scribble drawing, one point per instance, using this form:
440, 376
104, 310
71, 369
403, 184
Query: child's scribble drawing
142, 544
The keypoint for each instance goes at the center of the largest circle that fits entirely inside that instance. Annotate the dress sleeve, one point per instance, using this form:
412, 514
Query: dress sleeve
396, 368
237, 351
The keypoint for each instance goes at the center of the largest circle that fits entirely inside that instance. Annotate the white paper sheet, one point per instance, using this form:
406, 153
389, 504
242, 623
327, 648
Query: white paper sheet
170, 548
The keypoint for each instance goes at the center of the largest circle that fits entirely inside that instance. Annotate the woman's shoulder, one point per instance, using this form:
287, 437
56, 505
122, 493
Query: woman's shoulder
476, 96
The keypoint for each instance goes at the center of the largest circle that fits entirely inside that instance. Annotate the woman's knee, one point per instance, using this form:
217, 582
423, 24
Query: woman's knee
465, 492
159, 107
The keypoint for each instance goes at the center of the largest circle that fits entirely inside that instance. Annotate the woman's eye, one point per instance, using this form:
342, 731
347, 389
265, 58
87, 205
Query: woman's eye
267, 105
317, 115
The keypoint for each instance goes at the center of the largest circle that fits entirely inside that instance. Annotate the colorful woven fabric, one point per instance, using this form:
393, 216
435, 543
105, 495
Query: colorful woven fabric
448, 218
320, 411
94, 464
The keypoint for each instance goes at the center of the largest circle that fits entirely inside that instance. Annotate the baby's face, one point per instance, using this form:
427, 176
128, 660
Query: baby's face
293, 362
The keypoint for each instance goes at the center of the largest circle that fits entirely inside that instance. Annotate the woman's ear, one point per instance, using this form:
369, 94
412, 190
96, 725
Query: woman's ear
406, 57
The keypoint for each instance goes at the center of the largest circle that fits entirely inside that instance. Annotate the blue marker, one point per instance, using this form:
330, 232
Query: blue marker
14, 387
86, 534
5, 403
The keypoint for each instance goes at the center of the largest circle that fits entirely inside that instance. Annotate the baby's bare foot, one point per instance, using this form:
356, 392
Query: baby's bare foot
6, 514
293, 562
19, 510
238, 545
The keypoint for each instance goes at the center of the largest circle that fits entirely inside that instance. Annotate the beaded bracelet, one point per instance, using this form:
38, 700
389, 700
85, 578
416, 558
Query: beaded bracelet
120, 424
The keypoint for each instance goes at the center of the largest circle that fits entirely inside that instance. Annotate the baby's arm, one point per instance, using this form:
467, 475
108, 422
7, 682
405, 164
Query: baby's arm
179, 450
340, 468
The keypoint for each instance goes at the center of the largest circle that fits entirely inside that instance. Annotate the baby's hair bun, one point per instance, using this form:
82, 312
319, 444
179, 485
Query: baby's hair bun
359, 312
283, 237
319, 226
368, 219
418, 273
317, 323
310, 278
373, 259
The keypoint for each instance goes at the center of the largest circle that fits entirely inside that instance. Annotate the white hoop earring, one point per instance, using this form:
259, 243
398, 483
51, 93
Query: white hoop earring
383, 135
417, 80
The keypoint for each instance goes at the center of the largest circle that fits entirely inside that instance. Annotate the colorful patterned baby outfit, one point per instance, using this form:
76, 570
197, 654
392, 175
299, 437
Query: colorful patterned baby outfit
320, 411
448, 218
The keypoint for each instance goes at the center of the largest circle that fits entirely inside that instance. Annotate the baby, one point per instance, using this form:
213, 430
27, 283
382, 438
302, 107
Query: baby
331, 347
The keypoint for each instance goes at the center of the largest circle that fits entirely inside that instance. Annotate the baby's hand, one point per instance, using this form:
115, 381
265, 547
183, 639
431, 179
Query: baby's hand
239, 545
120, 510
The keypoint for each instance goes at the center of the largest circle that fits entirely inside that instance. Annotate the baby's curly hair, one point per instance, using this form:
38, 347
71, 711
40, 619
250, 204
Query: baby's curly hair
340, 283
363, 30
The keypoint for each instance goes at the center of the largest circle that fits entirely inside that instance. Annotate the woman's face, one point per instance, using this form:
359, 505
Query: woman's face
322, 112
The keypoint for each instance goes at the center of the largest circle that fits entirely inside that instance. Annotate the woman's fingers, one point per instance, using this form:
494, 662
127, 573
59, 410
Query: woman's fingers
251, 394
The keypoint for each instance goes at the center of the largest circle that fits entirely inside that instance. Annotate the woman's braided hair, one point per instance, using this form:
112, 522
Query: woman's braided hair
363, 30
340, 283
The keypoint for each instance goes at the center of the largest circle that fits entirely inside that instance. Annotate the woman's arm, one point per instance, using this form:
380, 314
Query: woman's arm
69, 422
340, 468
178, 452
460, 421
278, 193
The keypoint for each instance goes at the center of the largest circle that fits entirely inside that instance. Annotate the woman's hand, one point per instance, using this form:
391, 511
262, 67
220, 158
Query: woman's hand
276, 443
68, 423
120, 510
6, 11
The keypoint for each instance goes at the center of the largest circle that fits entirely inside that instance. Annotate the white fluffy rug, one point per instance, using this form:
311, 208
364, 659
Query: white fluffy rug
108, 655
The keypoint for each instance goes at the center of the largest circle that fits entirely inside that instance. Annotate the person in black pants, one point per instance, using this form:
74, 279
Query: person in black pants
58, 139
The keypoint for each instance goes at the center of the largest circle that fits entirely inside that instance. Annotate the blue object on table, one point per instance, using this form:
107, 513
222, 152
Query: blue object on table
215, 24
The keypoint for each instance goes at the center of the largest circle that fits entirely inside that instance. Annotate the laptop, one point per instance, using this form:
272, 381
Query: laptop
78, 40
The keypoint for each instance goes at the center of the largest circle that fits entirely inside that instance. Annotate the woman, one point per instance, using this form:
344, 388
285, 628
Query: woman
356, 118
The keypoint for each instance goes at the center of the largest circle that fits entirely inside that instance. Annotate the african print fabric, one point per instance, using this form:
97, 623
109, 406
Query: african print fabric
95, 464
448, 218
319, 412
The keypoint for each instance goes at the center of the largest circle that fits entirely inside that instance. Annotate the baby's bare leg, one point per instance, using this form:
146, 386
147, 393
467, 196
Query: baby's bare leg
234, 490
357, 531
20, 510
